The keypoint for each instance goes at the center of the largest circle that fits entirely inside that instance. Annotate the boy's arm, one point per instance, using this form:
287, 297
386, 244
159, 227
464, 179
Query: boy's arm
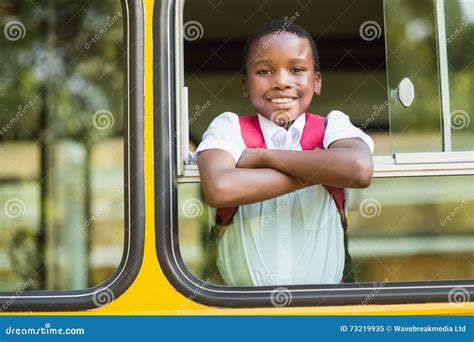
224, 185
347, 163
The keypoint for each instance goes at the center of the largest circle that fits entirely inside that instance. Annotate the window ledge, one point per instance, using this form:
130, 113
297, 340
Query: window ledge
383, 167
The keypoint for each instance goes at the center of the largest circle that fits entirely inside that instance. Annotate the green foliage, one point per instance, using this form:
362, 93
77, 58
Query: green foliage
56, 66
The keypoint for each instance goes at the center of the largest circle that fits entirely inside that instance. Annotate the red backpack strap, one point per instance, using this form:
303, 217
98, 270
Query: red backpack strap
253, 138
339, 197
313, 137
251, 132
225, 215
313, 133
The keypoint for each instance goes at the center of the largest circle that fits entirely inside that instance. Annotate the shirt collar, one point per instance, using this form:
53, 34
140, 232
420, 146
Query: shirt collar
270, 129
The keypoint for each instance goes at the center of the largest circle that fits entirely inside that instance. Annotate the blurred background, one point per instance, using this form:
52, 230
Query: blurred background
61, 143
401, 229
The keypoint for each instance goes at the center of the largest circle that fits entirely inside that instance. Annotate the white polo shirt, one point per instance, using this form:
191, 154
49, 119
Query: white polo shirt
293, 239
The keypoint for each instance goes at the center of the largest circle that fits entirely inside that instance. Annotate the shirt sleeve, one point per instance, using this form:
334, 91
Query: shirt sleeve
339, 127
223, 134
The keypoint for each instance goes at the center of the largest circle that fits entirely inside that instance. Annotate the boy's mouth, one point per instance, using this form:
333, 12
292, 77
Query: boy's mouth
282, 100
283, 103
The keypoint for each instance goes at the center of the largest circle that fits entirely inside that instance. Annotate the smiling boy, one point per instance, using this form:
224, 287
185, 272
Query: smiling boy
287, 228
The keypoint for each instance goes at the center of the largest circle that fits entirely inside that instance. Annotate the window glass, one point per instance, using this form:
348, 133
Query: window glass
413, 229
400, 229
412, 54
61, 143
197, 248
459, 32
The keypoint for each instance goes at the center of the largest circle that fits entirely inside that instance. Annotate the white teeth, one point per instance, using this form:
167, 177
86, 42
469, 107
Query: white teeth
282, 100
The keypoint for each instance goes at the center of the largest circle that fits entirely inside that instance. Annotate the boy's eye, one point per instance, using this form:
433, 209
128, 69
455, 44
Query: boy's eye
264, 72
297, 70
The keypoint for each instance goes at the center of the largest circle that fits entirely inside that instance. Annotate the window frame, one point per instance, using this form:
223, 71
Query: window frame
443, 75
167, 28
127, 271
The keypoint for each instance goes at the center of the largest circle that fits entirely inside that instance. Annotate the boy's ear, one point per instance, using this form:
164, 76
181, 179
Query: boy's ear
318, 83
245, 90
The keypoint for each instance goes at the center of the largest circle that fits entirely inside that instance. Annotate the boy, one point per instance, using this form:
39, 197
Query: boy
287, 229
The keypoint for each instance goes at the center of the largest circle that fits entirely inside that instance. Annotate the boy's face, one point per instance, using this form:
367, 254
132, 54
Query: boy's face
281, 79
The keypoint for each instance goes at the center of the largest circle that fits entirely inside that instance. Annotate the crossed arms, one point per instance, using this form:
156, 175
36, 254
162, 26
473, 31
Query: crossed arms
261, 174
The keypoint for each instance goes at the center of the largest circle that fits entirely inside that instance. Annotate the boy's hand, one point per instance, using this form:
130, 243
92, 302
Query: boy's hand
252, 158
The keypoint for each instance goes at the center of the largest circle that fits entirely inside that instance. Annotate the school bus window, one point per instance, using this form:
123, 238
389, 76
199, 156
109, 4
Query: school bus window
61, 144
414, 125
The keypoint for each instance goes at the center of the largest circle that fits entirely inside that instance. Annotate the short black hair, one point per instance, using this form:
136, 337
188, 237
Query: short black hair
277, 27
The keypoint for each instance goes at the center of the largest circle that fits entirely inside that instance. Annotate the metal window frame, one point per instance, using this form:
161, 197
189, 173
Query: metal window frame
443, 75
166, 179
123, 277
182, 127
400, 165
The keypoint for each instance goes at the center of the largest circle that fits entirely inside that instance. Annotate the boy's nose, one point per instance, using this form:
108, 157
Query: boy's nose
281, 81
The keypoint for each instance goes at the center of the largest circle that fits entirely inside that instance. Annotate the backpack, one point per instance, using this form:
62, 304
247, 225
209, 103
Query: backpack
312, 137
